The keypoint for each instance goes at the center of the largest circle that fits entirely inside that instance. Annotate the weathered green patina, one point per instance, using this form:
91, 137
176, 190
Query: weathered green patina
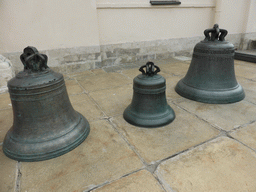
45, 124
211, 75
149, 107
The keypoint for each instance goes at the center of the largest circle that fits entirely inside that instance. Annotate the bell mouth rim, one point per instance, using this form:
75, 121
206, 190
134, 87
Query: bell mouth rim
158, 122
49, 155
54, 153
222, 90
209, 96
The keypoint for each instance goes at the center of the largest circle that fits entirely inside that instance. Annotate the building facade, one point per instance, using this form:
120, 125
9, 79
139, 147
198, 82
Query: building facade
86, 34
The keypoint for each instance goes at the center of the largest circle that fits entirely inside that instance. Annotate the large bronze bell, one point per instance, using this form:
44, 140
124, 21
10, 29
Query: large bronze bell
45, 124
149, 107
211, 75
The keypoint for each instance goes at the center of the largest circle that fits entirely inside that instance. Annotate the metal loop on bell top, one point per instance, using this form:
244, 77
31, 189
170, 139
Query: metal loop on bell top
151, 69
216, 33
33, 60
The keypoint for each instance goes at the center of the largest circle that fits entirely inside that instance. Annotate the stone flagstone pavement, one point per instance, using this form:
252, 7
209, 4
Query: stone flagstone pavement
207, 147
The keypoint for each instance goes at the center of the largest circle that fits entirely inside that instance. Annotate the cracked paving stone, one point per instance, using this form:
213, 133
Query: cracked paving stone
244, 63
82, 75
171, 82
139, 181
6, 121
7, 172
102, 157
113, 101
73, 87
84, 105
112, 69
155, 144
131, 73
224, 116
103, 81
246, 71
249, 89
222, 165
179, 68
246, 135
5, 101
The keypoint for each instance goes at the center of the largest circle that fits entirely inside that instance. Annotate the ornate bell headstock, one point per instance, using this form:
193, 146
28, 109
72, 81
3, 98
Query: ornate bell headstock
216, 33
33, 60
151, 69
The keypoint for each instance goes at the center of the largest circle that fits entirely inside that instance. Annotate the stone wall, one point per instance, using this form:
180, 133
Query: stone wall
68, 60
78, 59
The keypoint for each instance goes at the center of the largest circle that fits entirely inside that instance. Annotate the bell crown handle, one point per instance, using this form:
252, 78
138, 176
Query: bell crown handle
33, 60
151, 69
216, 33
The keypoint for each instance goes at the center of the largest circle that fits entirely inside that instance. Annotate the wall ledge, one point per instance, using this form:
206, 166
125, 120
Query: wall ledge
133, 5
79, 59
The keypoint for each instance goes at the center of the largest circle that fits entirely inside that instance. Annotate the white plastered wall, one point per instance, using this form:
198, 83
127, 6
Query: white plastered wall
47, 24
251, 23
234, 15
57, 24
134, 21
77, 34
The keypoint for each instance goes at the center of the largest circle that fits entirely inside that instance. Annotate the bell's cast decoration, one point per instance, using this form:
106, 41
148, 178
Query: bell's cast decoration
211, 75
149, 107
45, 124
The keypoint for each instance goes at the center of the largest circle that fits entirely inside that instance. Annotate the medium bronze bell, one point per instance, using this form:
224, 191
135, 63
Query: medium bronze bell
149, 107
45, 124
211, 75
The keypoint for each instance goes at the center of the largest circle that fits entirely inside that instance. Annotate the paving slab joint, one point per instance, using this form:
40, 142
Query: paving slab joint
213, 126
5, 108
159, 181
242, 126
127, 142
109, 182
188, 149
109, 88
87, 93
223, 133
100, 108
97, 186
105, 118
84, 91
229, 136
251, 102
125, 75
152, 167
18, 177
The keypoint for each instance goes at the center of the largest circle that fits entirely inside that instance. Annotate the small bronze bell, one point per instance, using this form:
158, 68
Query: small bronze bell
211, 75
149, 107
45, 124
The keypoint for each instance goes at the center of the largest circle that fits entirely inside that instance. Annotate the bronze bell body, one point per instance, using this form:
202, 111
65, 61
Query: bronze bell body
149, 107
211, 75
45, 124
